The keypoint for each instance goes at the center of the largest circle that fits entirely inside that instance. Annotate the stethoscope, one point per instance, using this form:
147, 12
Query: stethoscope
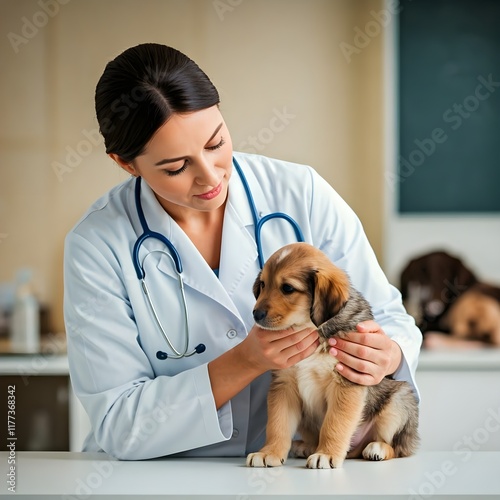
176, 259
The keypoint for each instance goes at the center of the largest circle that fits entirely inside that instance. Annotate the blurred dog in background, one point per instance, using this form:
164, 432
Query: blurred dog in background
444, 295
430, 284
475, 315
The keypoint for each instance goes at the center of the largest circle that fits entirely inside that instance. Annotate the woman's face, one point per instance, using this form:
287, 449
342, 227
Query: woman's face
187, 163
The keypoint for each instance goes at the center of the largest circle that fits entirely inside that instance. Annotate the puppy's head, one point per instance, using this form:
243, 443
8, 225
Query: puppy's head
431, 283
298, 285
475, 316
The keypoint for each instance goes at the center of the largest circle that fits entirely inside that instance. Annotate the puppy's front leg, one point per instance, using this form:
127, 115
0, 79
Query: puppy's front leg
283, 407
345, 405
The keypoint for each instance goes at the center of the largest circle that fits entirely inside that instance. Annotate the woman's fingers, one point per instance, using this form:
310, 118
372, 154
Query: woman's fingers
367, 355
284, 348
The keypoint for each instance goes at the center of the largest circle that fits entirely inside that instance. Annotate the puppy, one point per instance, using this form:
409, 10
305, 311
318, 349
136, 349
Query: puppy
475, 315
299, 286
430, 283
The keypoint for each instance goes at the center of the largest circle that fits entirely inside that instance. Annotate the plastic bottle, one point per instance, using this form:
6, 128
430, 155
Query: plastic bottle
25, 329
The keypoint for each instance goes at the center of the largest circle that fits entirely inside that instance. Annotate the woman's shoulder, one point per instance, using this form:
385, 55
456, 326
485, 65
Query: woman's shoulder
267, 165
106, 211
269, 171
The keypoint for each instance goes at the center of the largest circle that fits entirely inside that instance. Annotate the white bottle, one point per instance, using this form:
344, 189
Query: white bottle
25, 326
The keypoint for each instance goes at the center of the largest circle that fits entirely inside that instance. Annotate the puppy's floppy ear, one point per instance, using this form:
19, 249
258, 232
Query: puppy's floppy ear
256, 285
330, 293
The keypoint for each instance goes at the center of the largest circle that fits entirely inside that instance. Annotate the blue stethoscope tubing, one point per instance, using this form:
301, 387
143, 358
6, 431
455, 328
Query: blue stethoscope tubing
176, 259
258, 223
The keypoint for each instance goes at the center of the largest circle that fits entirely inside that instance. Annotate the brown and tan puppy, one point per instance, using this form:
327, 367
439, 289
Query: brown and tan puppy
475, 315
299, 286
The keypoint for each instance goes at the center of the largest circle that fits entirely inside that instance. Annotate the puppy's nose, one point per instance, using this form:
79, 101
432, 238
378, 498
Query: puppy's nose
259, 314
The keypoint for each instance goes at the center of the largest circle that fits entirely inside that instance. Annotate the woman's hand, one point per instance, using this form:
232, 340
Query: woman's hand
367, 355
278, 349
262, 350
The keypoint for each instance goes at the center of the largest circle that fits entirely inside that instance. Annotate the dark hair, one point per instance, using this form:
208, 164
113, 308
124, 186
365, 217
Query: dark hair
140, 90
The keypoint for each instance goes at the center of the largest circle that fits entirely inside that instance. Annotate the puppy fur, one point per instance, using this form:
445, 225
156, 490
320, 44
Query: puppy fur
299, 286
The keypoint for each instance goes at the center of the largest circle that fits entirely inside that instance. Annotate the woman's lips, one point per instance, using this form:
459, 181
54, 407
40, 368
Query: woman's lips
210, 194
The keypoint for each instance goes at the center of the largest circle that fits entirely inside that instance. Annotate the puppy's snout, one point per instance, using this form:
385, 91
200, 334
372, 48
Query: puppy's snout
259, 314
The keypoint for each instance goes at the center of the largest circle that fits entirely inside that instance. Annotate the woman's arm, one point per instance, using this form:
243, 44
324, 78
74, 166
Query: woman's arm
134, 413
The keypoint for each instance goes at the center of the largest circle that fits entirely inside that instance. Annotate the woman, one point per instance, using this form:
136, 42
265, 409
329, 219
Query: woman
159, 115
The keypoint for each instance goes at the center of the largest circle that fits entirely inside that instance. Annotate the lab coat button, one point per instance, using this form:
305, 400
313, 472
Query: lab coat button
236, 433
231, 334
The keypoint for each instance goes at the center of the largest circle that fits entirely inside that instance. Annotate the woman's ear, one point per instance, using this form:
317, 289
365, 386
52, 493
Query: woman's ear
128, 167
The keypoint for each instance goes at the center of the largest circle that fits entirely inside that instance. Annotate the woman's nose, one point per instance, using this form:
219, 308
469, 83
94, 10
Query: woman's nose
207, 174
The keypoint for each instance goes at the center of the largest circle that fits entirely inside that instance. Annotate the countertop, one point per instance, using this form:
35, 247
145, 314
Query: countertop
460, 359
78, 475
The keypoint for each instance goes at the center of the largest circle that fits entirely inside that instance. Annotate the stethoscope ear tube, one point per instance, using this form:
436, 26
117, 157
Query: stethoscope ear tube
258, 223
263, 220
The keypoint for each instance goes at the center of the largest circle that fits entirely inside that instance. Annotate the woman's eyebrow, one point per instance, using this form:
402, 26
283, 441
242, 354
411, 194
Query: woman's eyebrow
173, 160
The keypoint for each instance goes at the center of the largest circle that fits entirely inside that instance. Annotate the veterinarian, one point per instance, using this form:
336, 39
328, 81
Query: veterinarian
148, 394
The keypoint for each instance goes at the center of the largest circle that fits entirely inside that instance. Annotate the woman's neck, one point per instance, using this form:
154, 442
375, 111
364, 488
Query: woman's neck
204, 229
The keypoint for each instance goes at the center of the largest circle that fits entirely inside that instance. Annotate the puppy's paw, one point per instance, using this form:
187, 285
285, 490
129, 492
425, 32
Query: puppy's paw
300, 449
260, 459
377, 451
324, 461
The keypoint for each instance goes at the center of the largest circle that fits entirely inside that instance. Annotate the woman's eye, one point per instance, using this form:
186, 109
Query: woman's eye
217, 146
287, 289
171, 173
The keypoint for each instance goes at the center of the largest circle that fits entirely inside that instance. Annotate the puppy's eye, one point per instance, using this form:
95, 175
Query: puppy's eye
287, 289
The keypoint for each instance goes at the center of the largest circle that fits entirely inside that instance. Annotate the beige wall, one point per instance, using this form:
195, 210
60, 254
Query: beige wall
263, 55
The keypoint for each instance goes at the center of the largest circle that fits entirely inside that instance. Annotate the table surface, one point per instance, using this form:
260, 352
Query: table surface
79, 475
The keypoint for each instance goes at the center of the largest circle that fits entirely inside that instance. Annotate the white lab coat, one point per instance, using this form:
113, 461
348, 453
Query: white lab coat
142, 407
